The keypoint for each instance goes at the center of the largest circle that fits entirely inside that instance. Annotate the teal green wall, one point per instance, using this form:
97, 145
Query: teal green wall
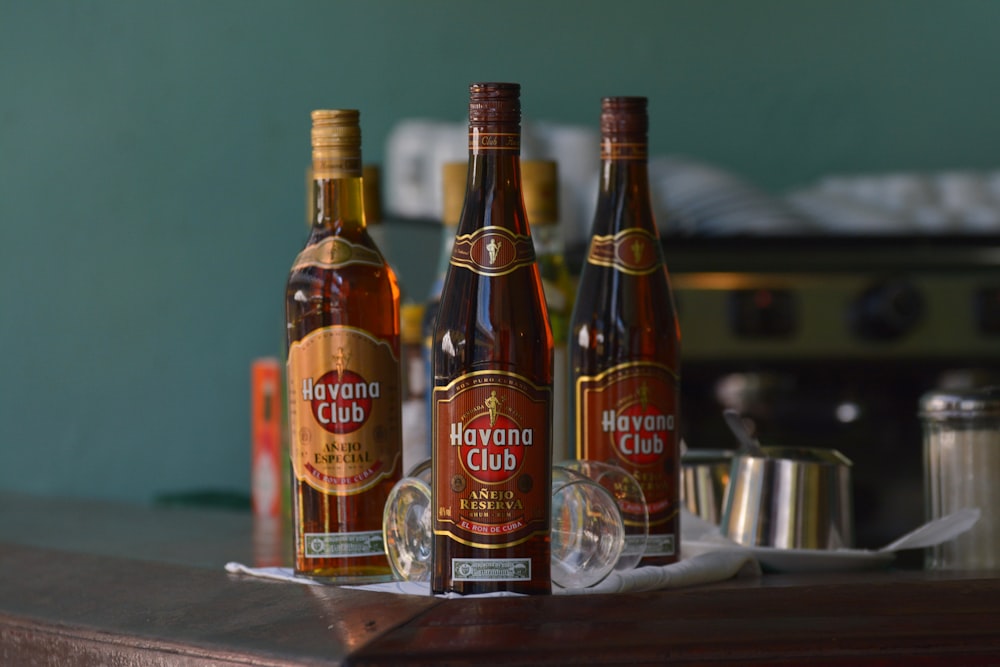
152, 156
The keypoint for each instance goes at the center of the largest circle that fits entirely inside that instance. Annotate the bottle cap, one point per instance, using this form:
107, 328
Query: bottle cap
624, 128
453, 177
336, 143
624, 115
540, 187
494, 103
965, 404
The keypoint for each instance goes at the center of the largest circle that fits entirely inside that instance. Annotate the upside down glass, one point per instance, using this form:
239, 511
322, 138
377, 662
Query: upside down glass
631, 502
587, 537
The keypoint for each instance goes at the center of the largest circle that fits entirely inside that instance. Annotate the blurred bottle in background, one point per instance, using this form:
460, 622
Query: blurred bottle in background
416, 435
453, 175
540, 186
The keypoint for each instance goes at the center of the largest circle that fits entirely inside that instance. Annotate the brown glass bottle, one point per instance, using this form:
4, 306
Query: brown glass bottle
492, 361
624, 335
342, 317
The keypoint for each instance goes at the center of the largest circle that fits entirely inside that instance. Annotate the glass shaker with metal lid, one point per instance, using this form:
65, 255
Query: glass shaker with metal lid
962, 469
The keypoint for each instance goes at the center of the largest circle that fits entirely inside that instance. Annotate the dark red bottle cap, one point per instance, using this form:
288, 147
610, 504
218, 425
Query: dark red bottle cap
624, 115
494, 103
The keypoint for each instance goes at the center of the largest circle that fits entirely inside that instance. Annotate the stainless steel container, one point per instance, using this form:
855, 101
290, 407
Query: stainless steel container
962, 469
704, 478
790, 498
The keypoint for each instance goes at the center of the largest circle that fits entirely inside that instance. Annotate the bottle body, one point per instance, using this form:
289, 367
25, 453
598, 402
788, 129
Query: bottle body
344, 383
492, 356
624, 336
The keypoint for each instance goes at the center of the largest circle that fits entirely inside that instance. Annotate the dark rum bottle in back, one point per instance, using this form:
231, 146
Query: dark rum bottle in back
492, 359
624, 336
344, 394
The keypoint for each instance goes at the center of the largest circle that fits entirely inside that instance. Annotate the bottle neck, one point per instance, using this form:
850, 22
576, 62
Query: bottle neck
493, 190
624, 197
339, 206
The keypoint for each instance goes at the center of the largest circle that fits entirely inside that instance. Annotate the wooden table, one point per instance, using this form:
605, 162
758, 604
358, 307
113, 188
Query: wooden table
90, 583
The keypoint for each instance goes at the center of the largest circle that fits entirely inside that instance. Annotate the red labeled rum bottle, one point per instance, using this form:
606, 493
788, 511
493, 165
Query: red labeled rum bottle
624, 337
344, 394
492, 361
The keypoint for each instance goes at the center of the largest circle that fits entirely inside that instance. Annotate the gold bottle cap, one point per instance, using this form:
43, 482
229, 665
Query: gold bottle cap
453, 177
371, 176
540, 186
336, 143
411, 316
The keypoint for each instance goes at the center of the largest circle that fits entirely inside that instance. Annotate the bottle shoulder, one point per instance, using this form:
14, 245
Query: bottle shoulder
607, 296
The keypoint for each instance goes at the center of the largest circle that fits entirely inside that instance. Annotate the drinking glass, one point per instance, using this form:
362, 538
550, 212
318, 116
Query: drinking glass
631, 502
587, 534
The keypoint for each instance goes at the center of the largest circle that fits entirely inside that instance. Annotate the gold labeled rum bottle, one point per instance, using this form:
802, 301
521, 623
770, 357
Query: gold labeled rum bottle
624, 342
492, 360
344, 393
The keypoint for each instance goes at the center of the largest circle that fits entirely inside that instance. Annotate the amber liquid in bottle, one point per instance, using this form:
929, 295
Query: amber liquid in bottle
624, 335
492, 361
344, 393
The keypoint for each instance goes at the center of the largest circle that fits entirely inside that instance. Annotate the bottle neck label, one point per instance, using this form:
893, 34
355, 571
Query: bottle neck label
482, 140
632, 251
492, 251
336, 167
491, 474
623, 150
628, 414
335, 252
343, 410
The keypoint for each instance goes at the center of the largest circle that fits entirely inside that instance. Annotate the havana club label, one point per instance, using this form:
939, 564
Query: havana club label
491, 470
627, 414
343, 410
633, 251
480, 141
623, 150
493, 251
335, 253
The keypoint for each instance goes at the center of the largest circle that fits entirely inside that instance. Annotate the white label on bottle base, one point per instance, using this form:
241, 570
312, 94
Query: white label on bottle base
344, 545
660, 545
491, 569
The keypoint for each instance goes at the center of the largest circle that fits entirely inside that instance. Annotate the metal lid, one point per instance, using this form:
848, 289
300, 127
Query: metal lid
336, 143
981, 402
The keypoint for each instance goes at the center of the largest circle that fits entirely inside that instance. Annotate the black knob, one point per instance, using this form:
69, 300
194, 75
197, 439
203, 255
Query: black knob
887, 310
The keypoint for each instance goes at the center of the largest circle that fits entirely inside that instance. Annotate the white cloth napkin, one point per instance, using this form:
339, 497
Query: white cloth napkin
706, 557
704, 568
